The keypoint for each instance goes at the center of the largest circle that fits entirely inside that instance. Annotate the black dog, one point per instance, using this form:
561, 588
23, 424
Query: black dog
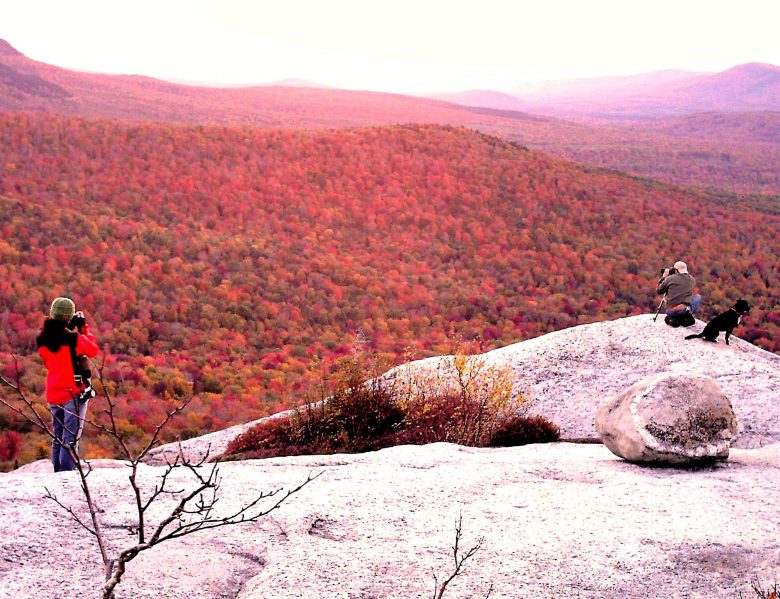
723, 322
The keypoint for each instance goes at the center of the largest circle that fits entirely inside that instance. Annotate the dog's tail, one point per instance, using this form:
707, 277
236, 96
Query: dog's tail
699, 336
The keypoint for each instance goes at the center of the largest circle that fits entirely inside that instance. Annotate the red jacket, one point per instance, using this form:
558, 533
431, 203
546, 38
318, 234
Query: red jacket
60, 386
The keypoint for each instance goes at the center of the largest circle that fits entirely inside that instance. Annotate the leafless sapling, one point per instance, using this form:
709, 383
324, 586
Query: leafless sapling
460, 559
193, 509
761, 592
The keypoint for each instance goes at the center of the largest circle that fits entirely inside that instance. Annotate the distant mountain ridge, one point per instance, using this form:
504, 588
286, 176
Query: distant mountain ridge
299, 83
7, 49
619, 84
485, 98
288, 103
752, 86
747, 162
16, 84
747, 87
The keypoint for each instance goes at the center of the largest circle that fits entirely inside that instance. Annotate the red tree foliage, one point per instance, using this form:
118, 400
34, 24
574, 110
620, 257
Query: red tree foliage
727, 150
219, 261
10, 441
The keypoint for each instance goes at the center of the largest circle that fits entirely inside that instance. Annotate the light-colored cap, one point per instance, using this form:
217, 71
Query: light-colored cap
681, 267
62, 308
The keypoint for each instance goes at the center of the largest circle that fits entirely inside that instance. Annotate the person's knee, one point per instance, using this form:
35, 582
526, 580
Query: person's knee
68, 436
71, 425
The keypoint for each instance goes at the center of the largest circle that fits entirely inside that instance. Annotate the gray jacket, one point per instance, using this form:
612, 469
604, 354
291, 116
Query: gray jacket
677, 287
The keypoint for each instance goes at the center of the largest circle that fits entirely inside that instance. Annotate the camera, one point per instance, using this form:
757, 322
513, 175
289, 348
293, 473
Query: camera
77, 322
87, 394
672, 271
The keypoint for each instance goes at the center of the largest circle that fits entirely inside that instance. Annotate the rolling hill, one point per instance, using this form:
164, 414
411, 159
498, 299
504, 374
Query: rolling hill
484, 98
604, 87
743, 88
761, 127
753, 86
27, 85
222, 261
735, 163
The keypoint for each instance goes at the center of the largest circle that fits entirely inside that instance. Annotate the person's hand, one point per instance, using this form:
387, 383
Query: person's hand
78, 321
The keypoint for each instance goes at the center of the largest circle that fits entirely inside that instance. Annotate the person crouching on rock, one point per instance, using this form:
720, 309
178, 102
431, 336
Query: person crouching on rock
64, 340
677, 284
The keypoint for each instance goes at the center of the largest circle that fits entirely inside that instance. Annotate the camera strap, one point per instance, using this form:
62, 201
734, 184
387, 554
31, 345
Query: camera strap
78, 376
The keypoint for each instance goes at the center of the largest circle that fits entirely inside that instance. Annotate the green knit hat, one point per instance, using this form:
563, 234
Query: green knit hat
62, 308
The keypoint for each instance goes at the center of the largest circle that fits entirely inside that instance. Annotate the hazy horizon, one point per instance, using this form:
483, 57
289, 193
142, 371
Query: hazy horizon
413, 47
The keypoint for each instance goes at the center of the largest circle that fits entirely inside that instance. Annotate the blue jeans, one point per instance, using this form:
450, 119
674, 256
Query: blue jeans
68, 421
695, 304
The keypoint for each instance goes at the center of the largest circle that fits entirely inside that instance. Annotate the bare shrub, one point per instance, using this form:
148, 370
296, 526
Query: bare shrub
762, 593
194, 507
459, 558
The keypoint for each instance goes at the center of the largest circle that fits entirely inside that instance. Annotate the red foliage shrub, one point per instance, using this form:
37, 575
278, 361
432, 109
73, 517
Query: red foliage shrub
10, 442
272, 437
366, 416
521, 430
356, 417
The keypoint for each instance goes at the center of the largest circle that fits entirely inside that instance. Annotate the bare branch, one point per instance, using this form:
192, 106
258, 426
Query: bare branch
160, 489
193, 511
244, 514
760, 592
35, 418
156, 435
204, 521
69, 510
459, 560
112, 430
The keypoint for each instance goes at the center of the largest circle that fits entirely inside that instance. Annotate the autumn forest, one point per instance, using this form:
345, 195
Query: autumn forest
231, 245
231, 263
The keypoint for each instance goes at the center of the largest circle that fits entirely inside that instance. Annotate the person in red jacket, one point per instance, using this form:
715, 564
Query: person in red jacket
64, 337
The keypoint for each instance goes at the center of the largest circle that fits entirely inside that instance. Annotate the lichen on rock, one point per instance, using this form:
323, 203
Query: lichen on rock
671, 418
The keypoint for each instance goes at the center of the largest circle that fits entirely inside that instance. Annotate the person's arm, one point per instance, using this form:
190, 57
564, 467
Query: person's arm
86, 344
663, 284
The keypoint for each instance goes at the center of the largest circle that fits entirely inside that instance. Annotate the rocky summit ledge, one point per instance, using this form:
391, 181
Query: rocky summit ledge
558, 520
569, 373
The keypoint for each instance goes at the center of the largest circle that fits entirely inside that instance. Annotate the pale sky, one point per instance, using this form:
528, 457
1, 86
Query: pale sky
407, 46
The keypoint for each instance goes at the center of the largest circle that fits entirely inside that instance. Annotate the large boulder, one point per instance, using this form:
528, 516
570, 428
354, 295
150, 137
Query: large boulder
669, 418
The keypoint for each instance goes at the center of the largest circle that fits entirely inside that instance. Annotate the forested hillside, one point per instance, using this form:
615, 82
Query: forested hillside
222, 261
721, 126
742, 157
